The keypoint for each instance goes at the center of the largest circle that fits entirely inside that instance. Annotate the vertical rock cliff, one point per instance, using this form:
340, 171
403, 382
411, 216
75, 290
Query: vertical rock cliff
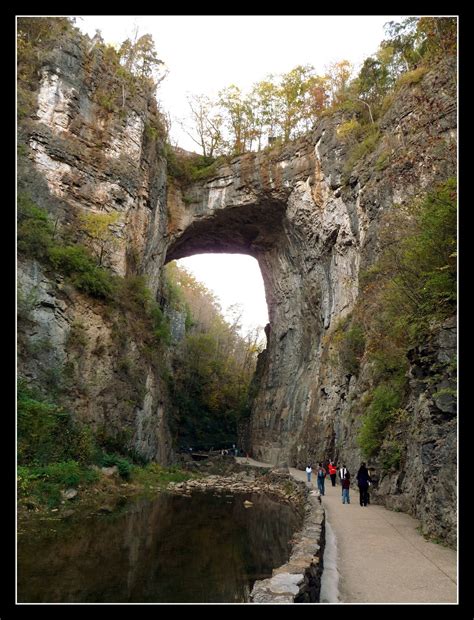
85, 152
312, 218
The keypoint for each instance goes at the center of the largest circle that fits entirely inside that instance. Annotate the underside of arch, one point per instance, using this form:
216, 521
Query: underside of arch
245, 229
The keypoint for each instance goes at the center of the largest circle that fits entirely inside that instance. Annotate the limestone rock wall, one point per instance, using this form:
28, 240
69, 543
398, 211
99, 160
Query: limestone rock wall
82, 156
312, 221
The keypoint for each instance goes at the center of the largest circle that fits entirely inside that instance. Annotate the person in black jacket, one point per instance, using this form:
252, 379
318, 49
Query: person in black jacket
363, 479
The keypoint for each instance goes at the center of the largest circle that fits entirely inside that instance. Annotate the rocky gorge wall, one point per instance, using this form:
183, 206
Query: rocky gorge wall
81, 157
309, 219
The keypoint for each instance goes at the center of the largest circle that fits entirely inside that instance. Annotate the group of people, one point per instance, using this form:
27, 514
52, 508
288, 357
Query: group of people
363, 480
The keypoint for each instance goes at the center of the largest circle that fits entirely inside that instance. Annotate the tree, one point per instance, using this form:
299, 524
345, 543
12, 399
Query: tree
404, 38
35, 35
294, 90
440, 36
213, 369
338, 75
238, 117
265, 105
373, 81
319, 96
100, 236
206, 130
141, 59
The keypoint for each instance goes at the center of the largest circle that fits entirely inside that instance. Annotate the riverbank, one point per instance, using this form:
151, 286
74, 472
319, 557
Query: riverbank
108, 491
105, 492
273, 483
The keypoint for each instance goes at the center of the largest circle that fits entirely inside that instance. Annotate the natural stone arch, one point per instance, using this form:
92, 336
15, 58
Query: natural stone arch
276, 210
246, 229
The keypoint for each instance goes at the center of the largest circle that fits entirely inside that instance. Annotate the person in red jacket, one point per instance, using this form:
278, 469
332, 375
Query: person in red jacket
332, 472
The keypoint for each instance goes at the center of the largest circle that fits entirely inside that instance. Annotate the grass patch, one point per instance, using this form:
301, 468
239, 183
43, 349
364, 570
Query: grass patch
154, 475
411, 77
44, 483
362, 149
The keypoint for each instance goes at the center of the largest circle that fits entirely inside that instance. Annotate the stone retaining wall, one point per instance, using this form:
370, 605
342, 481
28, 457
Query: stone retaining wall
299, 580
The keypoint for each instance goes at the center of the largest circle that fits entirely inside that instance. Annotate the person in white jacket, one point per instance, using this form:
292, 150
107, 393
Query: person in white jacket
342, 472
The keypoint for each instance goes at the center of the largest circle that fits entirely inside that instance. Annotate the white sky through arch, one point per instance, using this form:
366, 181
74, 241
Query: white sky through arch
206, 53
234, 279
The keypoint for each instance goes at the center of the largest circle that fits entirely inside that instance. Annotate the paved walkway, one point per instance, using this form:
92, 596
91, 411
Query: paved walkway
381, 557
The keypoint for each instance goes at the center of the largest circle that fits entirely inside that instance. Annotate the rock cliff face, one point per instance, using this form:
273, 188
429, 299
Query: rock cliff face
312, 223
82, 157
309, 219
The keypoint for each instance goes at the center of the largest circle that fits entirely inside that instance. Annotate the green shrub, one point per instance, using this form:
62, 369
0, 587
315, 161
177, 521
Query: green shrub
47, 433
113, 443
348, 129
386, 399
77, 263
419, 265
161, 326
124, 466
351, 348
188, 168
362, 149
39, 424
134, 294
390, 456
35, 231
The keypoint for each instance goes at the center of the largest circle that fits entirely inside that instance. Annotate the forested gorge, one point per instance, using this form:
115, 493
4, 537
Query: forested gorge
212, 368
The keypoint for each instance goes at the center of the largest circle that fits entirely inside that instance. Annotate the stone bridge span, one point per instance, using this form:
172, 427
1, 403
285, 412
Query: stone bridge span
282, 209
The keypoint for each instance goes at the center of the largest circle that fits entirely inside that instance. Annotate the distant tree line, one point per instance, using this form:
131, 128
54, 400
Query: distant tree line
283, 107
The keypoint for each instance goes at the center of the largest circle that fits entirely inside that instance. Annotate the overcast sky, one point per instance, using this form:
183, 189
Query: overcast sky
204, 54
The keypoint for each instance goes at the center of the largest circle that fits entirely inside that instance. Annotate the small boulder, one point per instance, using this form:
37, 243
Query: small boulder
69, 493
110, 471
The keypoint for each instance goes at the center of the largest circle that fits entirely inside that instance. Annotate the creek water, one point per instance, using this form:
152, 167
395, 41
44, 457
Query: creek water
172, 549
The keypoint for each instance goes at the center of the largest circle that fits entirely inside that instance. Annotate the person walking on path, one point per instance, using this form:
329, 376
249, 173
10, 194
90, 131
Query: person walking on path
342, 472
332, 472
346, 484
363, 480
308, 472
321, 475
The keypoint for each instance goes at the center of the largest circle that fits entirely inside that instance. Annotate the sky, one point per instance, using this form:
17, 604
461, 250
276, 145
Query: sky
235, 279
204, 54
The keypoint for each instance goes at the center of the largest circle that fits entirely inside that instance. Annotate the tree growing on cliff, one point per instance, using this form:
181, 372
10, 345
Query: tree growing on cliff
100, 237
206, 125
141, 59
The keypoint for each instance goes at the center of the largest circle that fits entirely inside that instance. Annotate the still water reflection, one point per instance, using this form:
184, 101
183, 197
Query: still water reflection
203, 548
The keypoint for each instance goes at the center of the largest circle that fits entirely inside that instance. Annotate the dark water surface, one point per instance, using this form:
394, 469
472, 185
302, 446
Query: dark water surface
204, 548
